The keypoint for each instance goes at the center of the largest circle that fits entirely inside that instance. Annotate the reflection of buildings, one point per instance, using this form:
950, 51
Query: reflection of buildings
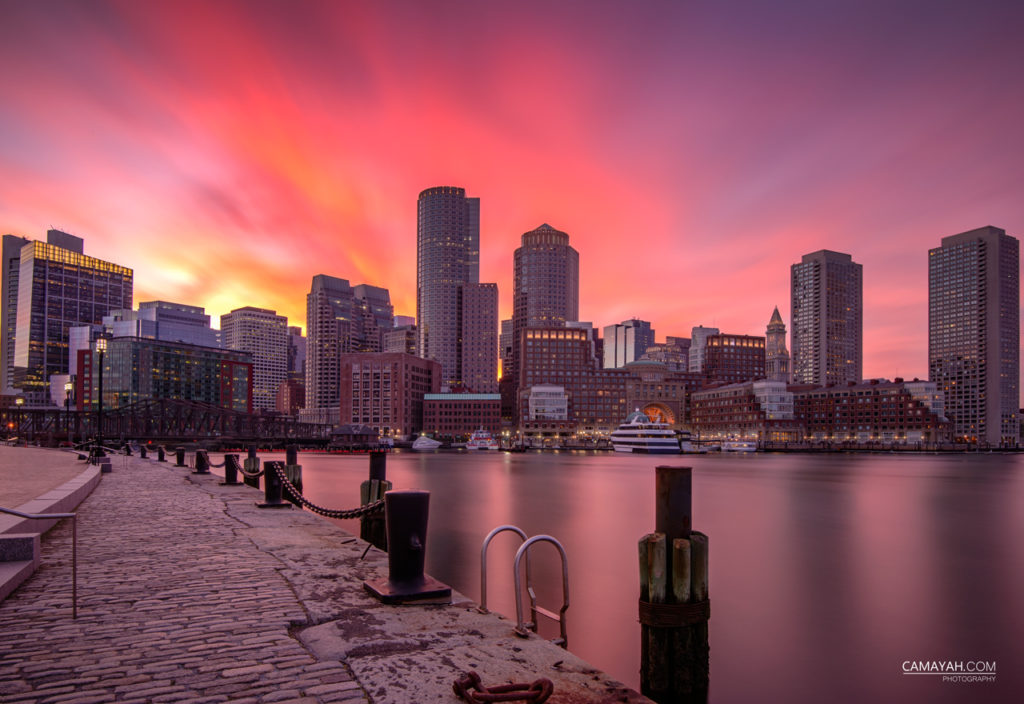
827, 298
139, 369
974, 333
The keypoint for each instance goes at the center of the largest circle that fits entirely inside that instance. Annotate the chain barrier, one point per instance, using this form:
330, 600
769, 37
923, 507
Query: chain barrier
536, 693
326, 512
251, 475
217, 465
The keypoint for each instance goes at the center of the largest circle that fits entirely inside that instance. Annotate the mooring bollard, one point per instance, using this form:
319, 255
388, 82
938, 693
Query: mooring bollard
252, 464
230, 471
161, 454
202, 462
272, 486
293, 471
128, 449
406, 519
372, 528
142, 451
674, 605
180, 457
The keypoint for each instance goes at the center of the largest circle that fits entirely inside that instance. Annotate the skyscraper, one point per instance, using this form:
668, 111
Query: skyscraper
545, 284
974, 333
447, 256
59, 288
263, 334
479, 337
626, 342
339, 318
827, 297
12, 267
776, 354
698, 338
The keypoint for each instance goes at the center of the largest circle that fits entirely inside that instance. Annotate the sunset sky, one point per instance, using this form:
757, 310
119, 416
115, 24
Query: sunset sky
230, 151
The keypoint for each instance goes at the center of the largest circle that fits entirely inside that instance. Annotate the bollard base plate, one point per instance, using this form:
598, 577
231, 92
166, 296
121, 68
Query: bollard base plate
273, 504
202, 472
429, 591
229, 483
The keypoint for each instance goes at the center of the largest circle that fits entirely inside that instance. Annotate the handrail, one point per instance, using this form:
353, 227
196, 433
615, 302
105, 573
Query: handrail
74, 546
483, 563
522, 628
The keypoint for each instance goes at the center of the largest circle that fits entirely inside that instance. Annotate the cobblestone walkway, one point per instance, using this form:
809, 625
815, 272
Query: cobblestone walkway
175, 604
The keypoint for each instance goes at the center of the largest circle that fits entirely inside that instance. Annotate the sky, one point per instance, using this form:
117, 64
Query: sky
693, 150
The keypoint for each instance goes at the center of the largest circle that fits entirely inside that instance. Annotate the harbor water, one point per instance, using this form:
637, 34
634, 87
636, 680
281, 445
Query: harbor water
828, 573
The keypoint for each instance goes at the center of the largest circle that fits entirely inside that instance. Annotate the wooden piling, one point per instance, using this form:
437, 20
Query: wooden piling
674, 606
372, 528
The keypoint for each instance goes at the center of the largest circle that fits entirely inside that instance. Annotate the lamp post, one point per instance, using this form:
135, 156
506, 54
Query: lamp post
68, 386
101, 347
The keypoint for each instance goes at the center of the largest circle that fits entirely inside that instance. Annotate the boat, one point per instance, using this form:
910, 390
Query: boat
640, 434
739, 446
425, 444
482, 440
686, 445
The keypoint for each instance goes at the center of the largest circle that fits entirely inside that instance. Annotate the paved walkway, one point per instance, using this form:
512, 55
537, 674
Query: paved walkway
28, 472
175, 604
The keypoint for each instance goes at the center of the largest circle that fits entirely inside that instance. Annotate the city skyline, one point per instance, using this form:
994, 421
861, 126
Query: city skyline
713, 146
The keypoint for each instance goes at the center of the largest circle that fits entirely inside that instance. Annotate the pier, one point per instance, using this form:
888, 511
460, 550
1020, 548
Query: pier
187, 591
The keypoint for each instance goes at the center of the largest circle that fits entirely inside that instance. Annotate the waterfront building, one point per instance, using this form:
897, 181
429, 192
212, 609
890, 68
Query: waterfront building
698, 337
626, 342
401, 339
674, 353
731, 359
548, 402
874, 411
139, 369
59, 287
447, 257
385, 390
455, 416
596, 343
776, 357
340, 319
826, 290
478, 337
291, 394
759, 410
296, 350
264, 335
974, 334
545, 286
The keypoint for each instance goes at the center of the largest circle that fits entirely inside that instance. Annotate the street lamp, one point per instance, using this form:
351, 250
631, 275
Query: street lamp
101, 347
68, 386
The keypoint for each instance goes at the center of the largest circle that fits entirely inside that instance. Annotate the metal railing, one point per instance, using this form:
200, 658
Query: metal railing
74, 546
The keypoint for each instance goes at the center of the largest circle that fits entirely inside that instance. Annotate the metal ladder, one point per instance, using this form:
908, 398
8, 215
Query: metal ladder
523, 628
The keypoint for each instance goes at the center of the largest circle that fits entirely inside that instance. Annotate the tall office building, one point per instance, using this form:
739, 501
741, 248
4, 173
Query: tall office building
339, 318
626, 342
296, 351
12, 266
776, 355
479, 337
505, 346
59, 288
974, 333
447, 256
828, 304
545, 284
698, 339
263, 334
163, 320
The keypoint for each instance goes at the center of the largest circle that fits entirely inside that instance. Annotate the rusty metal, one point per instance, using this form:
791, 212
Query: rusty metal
536, 692
483, 564
522, 628
674, 615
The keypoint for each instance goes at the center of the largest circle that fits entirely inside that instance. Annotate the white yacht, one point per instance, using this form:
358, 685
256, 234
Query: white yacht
425, 444
640, 434
482, 440
739, 446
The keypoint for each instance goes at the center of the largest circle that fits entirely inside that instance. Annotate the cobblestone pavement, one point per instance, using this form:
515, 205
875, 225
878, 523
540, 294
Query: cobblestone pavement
176, 603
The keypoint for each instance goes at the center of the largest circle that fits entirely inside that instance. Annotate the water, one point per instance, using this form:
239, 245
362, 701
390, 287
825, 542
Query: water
827, 572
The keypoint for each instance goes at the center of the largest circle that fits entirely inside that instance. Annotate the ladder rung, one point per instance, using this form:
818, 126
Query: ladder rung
549, 614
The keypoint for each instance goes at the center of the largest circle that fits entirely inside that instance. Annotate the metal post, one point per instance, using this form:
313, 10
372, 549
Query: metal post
161, 454
101, 346
273, 489
142, 451
406, 513
180, 457
202, 462
230, 471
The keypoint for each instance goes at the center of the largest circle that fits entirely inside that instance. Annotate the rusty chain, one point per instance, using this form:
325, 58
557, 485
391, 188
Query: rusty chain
535, 693
326, 512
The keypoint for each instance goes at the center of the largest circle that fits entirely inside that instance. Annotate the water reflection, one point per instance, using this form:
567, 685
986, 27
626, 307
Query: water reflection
827, 572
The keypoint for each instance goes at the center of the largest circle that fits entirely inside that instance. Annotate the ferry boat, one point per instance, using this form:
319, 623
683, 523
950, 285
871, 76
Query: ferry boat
482, 440
640, 434
739, 446
425, 444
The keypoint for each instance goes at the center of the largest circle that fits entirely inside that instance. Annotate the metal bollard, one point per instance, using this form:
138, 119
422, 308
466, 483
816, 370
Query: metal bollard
202, 462
161, 454
291, 454
180, 452
406, 517
272, 486
128, 449
230, 471
142, 451
378, 465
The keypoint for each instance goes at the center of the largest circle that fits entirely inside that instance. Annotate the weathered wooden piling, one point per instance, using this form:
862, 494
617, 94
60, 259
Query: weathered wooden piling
674, 606
293, 471
251, 464
373, 528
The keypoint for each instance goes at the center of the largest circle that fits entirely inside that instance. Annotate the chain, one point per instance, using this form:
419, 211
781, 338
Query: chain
326, 512
247, 473
218, 466
536, 693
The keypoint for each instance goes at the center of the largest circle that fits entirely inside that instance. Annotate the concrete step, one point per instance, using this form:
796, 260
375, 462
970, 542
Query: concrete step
12, 574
